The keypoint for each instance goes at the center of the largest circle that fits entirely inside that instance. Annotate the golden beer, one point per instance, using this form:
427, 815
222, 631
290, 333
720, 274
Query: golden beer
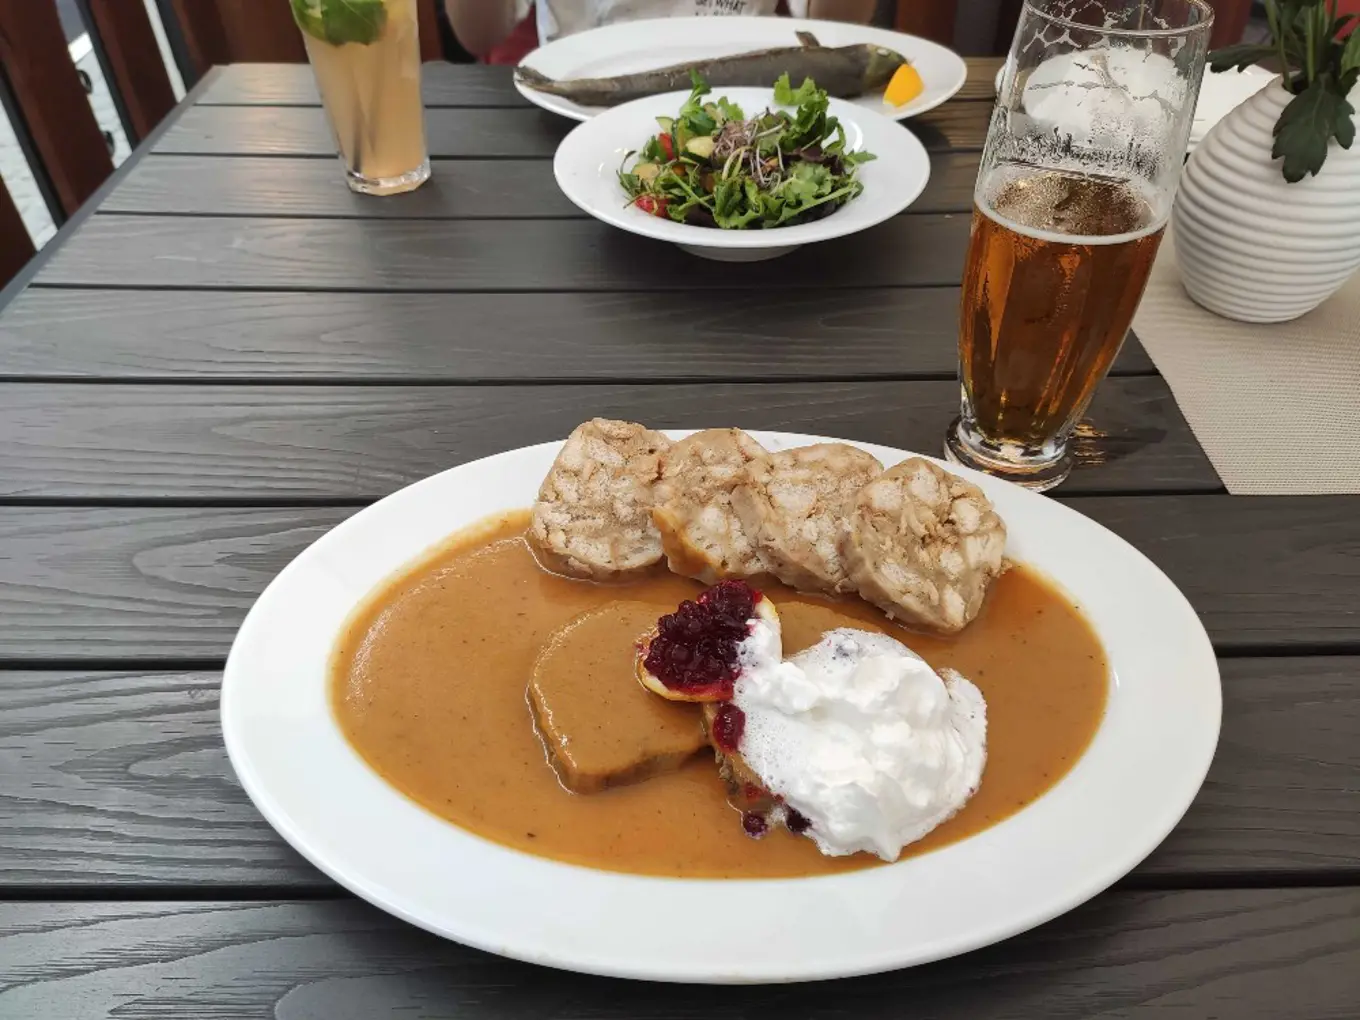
1055, 271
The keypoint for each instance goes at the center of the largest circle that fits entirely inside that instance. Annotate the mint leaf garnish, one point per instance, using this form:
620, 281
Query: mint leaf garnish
341, 21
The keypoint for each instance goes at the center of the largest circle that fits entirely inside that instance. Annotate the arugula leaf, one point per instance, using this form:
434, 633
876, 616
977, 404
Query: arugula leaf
699, 89
854, 158
1305, 127
730, 209
730, 111
700, 124
836, 146
341, 21
786, 95
807, 182
692, 119
810, 124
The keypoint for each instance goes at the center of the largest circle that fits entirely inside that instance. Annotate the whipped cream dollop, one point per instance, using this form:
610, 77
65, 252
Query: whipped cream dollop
859, 735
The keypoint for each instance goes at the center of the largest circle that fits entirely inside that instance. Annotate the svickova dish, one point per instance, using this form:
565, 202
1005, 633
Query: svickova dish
983, 881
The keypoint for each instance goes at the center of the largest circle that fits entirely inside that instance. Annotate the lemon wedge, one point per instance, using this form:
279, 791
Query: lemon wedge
905, 86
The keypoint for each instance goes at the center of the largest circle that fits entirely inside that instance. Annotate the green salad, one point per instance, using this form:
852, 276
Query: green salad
712, 166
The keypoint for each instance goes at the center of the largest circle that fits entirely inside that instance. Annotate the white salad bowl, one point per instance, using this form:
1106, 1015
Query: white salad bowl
588, 162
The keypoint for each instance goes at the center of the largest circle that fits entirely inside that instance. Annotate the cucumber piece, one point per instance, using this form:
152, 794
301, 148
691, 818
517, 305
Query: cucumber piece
646, 172
666, 123
701, 146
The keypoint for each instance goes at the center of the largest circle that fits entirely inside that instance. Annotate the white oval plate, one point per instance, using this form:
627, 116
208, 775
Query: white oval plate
588, 159
660, 42
1130, 788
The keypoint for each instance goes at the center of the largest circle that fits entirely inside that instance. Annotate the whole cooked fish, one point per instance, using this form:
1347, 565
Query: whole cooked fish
844, 71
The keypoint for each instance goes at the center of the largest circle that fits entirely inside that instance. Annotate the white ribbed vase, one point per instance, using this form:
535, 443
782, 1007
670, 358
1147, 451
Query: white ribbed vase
1251, 246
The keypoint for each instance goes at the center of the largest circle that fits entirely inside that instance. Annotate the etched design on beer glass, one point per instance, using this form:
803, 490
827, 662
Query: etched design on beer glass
1073, 194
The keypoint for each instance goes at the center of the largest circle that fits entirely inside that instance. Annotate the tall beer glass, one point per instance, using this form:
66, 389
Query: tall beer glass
1075, 187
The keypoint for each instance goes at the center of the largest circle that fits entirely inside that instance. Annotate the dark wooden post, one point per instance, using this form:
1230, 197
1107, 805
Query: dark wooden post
52, 104
931, 19
16, 247
126, 45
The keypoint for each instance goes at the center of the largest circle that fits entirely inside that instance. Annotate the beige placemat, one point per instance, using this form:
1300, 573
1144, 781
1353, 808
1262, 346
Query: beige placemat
1276, 407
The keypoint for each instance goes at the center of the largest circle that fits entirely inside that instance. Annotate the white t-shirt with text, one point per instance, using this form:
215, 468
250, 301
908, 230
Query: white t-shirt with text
563, 17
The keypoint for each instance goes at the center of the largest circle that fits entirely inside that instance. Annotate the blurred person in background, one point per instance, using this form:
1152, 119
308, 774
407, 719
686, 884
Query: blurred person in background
503, 31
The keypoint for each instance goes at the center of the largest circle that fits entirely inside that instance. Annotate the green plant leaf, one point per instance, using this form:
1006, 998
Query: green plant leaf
341, 21
1239, 55
1307, 124
1350, 53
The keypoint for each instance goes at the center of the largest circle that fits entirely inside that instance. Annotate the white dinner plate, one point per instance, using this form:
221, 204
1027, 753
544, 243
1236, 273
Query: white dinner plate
1120, 800
630, 46
587, 163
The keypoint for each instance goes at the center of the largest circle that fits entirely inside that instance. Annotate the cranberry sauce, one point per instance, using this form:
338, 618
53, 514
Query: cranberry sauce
695, 648
728, 724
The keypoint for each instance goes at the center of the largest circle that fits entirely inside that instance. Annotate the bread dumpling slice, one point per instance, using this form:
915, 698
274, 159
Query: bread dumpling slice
700, 531
924, 545
796, 504
593, 516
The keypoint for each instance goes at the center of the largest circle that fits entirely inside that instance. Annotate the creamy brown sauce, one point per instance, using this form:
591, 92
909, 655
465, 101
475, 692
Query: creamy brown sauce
429, 681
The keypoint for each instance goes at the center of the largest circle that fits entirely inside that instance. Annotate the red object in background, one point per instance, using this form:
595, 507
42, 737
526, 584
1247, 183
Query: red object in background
517, 44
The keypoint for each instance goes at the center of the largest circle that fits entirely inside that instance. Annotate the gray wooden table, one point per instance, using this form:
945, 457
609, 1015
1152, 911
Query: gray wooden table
231, 353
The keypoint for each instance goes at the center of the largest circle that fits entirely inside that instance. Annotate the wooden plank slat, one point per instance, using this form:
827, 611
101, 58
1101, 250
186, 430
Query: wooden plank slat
96, 585
120, 780
459, 189
441, 85
503, 255
340, 444
55, 111
21, 281
455, 85
167, 335
302, 131
140, 81
1283, 793
1245, 954
475, 132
